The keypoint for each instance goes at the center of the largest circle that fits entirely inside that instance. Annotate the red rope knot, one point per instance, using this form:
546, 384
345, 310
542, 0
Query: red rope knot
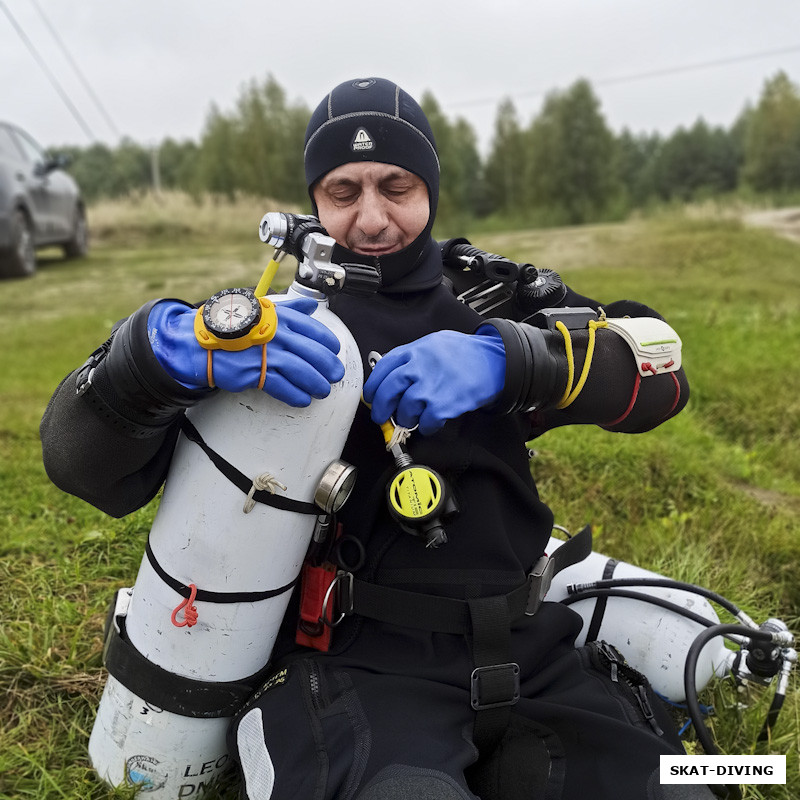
647, 365
189, 610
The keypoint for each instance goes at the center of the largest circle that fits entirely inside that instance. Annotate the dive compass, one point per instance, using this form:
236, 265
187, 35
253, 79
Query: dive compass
235, 319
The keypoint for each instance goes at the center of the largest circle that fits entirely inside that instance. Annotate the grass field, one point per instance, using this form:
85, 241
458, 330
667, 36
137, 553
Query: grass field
712, 497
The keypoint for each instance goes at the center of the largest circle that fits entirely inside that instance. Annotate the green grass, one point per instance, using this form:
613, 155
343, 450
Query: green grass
713, 496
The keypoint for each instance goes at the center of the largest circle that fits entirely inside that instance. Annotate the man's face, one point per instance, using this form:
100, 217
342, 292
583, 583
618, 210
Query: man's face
372, 208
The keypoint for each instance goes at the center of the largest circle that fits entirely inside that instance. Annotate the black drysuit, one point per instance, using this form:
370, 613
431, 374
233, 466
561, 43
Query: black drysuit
386, 713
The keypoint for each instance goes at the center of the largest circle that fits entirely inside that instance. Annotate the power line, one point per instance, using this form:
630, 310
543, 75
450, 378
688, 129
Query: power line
52, 78
657, 73
77, 70
693, 67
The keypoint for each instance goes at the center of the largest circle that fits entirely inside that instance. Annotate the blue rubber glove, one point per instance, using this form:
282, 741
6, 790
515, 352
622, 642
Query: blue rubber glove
301, 357
436, 378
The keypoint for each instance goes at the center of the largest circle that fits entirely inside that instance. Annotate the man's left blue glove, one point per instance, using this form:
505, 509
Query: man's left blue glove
436, 378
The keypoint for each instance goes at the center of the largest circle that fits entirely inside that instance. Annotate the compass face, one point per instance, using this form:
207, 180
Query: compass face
231, 313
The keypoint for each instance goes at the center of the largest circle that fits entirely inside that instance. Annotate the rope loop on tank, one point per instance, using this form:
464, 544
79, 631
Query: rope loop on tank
265, 482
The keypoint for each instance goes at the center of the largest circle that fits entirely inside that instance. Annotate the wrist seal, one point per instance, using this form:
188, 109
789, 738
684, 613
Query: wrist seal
536, 367
126, 385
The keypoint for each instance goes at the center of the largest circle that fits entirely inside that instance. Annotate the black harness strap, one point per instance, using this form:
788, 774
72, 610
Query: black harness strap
212, 597
421, 611
241, 481
494, 683
600, 605
495, 679
449, 614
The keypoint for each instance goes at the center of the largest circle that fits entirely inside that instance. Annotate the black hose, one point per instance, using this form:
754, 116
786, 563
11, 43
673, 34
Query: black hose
690, 667
645, 598
668, 583
690, 686
772, 716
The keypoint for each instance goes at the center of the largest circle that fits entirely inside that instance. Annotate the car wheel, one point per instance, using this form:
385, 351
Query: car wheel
78, 244
20, 260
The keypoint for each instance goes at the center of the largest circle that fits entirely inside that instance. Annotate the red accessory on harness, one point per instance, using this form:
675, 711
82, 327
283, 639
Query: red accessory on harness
314, 629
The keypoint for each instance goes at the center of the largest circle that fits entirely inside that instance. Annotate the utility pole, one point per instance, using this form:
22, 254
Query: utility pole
155, 170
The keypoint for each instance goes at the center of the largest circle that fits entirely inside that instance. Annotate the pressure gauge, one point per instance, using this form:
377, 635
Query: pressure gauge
231, 313
335, 486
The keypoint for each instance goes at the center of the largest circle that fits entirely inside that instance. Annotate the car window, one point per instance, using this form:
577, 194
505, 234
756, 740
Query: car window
32, 151
7, 145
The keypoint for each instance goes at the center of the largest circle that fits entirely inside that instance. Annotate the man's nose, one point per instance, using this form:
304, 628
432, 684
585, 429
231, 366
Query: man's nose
372, 216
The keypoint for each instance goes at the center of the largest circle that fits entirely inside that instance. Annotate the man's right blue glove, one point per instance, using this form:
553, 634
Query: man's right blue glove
301, 357
436, 378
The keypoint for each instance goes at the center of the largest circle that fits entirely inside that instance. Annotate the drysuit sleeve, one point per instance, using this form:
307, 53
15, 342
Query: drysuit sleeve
109, 430
614, 395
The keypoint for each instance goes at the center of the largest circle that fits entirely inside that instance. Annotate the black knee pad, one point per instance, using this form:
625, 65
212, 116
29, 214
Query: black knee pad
528, 762
399, 782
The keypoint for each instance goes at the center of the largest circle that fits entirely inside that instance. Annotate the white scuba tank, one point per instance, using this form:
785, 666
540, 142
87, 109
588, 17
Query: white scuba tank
201, 535
654, 640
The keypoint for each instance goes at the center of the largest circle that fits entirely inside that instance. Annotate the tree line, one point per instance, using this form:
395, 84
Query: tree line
564, 167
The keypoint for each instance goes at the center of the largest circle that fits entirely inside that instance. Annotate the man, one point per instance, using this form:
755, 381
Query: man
437, 684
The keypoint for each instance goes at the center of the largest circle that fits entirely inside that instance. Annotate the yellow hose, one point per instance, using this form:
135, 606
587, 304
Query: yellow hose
267, 278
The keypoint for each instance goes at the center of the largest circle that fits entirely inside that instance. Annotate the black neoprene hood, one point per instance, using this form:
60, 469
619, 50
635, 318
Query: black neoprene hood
373, 119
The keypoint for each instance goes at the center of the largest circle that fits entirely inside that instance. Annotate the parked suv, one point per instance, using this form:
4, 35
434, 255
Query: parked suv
40, 205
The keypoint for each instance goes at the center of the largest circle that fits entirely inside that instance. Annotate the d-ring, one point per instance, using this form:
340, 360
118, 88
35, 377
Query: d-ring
324, 616
373, 357
410, 430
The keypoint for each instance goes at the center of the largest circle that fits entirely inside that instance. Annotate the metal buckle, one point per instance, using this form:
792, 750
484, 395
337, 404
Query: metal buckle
511, 677
540, 577
85, 374
84, 379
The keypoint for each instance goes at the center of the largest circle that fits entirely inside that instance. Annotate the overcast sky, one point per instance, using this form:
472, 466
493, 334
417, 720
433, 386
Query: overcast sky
156, 66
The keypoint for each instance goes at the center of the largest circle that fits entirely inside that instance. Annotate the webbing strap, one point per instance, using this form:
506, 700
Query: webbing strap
495, 679
600, 604
424, 611
449, 614
175, 693
573, 550
206, 595
494, 685
241, 481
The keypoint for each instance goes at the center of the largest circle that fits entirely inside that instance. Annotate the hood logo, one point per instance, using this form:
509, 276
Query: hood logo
362, 141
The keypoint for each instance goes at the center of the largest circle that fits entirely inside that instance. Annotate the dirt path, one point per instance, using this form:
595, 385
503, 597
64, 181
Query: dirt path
784, 221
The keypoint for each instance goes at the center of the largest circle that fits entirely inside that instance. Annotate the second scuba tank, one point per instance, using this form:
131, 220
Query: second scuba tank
240, 561
654, 640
